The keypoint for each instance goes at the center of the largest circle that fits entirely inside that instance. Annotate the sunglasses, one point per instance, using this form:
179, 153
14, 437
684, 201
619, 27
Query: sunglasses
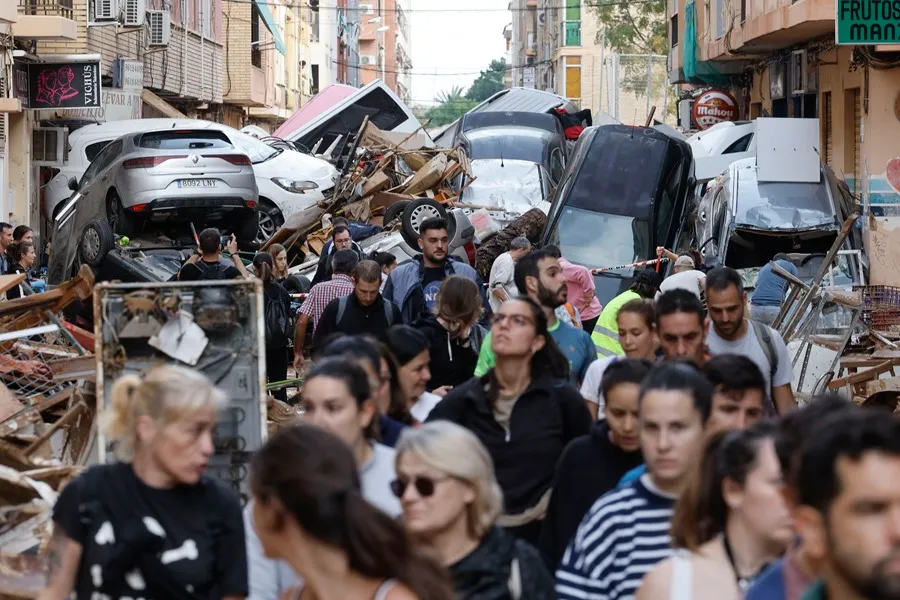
424, 486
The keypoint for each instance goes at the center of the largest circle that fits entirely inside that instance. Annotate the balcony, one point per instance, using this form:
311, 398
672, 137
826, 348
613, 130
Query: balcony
773, 25
45, 20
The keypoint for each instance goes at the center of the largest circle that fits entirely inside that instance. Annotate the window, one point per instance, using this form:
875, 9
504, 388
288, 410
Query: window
673, 30
572, 77
720, 19
314, 85
185, 140
572, 24
206, 22
255, 50
101, 161
557, 166
92, 150
739, 145
314, 24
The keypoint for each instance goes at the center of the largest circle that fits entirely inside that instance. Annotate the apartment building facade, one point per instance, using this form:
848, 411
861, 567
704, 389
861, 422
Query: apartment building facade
558, 46
385, 45
779, 58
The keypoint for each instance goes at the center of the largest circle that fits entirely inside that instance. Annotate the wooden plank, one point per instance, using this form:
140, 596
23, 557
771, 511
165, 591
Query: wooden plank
63, 420
67, 369
8, 282
864, 376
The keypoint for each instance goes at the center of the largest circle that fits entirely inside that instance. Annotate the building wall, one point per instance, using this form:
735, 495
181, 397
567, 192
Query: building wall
191, 66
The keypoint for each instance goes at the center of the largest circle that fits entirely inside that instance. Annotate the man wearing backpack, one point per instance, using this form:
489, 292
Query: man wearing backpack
732, 333
207, 263
364, 311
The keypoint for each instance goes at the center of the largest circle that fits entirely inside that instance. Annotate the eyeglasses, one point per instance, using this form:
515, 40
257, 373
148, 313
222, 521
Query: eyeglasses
517, 320
424, 486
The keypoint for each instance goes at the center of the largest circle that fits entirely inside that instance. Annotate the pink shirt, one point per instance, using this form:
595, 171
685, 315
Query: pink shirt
581, 283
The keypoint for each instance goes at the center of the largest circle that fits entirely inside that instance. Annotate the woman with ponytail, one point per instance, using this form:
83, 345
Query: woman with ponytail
278, 322
309, 511
729, 522
524, 411
152, 526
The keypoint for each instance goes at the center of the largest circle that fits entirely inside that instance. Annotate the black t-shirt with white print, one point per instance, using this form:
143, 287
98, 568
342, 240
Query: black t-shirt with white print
202, 546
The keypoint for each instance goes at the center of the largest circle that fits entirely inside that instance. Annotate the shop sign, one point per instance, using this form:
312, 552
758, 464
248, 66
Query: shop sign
128, 74
714, 106
116, 105
70, 85
867, 22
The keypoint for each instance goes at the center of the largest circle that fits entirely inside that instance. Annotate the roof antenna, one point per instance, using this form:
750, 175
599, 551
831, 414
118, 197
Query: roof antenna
500, 143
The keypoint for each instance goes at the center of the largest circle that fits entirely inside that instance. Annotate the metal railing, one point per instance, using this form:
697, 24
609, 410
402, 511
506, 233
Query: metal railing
58, 8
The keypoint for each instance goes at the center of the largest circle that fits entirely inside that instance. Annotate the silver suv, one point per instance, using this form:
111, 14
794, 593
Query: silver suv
171, 175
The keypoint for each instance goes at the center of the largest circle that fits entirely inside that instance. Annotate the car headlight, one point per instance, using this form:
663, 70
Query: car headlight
297, 187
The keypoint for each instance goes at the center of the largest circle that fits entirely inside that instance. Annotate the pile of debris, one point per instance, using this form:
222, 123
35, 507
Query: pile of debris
47, 373
387, 176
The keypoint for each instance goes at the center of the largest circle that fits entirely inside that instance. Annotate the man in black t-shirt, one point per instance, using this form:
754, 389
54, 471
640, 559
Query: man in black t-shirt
206, 264
364, 311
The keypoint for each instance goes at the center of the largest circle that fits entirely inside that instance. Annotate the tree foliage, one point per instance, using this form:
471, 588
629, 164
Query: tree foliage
489, 81
633, 29
451, 105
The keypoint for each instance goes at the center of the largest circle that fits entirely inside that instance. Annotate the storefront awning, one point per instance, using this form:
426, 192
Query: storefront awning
266, 14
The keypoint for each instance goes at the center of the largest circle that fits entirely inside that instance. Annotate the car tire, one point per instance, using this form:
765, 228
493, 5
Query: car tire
247, 231
393, 211
97, 240
297, 284
120, 220
417, 212
270, 221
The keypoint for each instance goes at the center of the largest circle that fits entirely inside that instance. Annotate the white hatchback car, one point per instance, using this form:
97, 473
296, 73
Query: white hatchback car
288, 181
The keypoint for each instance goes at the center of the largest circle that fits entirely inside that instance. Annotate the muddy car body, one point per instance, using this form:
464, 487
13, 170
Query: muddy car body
624, 192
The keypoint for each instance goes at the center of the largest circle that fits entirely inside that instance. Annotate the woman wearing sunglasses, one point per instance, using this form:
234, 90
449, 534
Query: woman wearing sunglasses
523, 410
337, 397
454, 335
451, 500
308, 510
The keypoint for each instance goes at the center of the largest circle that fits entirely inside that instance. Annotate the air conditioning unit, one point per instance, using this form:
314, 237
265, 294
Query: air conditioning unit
160, 27
134, 13
48, 146
106, 10
366, 59
799, 79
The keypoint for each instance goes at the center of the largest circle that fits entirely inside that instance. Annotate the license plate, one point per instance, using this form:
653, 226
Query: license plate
197, 183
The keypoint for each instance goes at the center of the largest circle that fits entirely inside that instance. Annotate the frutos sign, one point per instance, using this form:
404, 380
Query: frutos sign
867, 22
714, 107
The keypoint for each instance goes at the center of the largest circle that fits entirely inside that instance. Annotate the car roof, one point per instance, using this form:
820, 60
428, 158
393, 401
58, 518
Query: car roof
116, 129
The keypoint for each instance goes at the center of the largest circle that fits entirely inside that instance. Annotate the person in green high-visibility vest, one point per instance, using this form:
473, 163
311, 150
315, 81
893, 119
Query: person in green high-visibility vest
606, 332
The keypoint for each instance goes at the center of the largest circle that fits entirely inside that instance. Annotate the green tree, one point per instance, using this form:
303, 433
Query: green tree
633, 29
451, 105
489, 81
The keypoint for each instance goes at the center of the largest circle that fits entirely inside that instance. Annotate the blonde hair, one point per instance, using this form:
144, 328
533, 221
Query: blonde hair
456, 451
166, 393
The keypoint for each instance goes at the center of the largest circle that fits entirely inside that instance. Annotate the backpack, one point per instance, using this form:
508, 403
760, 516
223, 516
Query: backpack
342, 308
212, 273
278, 321
764, 335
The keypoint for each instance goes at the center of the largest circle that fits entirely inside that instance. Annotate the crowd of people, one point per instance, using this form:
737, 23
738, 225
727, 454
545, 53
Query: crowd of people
509, 441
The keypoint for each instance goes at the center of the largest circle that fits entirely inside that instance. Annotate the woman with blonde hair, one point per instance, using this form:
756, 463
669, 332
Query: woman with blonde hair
280, 257
154, 525
451, 501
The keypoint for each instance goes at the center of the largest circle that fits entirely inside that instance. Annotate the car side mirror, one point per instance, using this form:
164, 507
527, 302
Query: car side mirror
73, 184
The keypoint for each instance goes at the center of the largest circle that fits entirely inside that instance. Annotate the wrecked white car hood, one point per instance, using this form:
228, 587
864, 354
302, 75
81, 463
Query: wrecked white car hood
508, 186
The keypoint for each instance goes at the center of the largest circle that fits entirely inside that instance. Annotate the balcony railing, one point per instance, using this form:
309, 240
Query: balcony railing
54, 8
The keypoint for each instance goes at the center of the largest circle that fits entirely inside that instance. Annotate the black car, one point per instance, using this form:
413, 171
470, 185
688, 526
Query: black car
624, 192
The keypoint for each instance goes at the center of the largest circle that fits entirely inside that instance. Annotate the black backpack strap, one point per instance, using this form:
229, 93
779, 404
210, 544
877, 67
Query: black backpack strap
764, 335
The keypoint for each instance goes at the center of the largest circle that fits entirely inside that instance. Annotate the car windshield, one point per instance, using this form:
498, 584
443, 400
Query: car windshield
257, 151
781, 205
192, 139
508, 145
598, 240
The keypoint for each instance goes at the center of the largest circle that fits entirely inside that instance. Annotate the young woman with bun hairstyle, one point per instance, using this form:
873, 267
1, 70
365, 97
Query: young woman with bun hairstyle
310, 512
152, 525
21, 256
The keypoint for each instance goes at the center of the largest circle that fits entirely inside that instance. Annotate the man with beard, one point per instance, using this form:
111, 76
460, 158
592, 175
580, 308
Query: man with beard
413, 286
539, 276
732, 333
849, 492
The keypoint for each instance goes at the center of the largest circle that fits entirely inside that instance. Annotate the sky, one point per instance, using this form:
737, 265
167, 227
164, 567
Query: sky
452, 40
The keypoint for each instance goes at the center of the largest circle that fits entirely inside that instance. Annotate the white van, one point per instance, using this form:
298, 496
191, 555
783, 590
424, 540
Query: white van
288, 181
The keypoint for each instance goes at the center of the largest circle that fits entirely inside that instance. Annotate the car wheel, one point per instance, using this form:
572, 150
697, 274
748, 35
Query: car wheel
393, 211
270, 220
417, 212
247, 231
97, 239
120, 220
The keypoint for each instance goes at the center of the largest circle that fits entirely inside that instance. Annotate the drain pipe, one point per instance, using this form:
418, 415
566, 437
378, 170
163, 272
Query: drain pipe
200, 5
184, 28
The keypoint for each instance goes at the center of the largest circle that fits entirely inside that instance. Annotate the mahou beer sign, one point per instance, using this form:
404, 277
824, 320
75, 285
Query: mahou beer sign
714, 107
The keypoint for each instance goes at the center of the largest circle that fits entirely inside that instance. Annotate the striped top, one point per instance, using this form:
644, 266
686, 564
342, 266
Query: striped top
622, 537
